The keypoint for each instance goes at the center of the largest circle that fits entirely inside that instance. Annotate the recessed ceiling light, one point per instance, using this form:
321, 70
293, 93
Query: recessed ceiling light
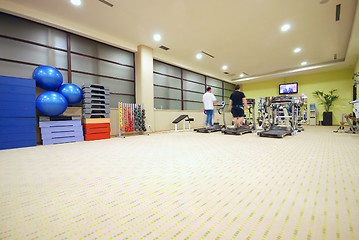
297, 50
199, 56
224, 67
157, 37
285, 27
76, 2
242, 75
304, 63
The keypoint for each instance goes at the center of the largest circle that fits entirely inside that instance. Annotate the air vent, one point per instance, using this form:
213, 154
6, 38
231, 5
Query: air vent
226, 72
164, 48
337, 13
107, 3
209, 55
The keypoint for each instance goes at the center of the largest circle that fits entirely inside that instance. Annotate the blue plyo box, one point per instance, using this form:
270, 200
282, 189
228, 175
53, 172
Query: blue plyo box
62, 140
65, 123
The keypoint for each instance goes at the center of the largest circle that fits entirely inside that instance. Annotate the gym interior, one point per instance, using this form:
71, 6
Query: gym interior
102, 123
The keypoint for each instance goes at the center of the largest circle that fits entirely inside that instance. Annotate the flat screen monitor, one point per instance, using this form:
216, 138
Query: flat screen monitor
288, 88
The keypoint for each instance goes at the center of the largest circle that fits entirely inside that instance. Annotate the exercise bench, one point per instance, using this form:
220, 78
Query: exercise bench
181, 118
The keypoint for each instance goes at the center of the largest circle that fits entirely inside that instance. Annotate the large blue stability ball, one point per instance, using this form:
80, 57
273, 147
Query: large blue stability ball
72, 93
51, 103
47, 77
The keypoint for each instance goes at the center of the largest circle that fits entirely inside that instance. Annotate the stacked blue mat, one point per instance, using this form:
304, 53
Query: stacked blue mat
17, 112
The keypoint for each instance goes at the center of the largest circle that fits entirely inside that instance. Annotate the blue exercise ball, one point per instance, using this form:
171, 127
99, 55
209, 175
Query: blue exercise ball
51, 103
47, 77
71, 92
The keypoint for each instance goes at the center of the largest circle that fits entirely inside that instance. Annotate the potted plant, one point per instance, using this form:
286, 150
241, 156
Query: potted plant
327, 100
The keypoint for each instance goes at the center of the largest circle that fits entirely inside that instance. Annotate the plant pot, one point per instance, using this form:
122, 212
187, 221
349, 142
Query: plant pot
327, 118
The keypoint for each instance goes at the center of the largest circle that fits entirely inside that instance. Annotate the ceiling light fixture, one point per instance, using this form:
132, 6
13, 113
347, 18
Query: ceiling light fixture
297, 50
157, 37
285, 27
199, 56
224, 67
76, 2
304, 63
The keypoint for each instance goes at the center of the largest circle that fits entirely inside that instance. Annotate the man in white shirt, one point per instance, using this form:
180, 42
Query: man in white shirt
209, 101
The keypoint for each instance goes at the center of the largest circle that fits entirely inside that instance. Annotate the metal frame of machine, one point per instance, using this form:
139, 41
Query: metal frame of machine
216, 127
250, 120
284, 117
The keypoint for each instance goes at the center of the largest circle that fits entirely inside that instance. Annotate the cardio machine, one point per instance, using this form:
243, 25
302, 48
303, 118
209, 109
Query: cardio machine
250, 122
282, 117
216, 127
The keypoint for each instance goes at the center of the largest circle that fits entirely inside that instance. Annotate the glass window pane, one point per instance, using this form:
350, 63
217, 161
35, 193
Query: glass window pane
118, 86
192, 106
164, 104
214, 82
79, 79
217, 91
22, 70
57, 38
229, 86
166, 81
26, 52
227, 93
115, 54
194, 76
28, 30
83, 45
192, 96
84, 64
166, 69
193, 86
167, 93
115, 99
113, 70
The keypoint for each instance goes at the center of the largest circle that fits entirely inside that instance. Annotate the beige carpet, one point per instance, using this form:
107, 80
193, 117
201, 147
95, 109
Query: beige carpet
184, 186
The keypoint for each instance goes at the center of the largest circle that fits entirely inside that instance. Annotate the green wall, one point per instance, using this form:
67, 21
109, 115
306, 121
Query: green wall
356, 68
307, 84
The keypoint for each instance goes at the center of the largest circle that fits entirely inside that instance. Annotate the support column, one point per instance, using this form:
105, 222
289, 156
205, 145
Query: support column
144, 82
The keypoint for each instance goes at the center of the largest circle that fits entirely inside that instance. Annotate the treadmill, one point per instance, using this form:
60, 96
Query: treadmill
280, 131
216, 126
250, 128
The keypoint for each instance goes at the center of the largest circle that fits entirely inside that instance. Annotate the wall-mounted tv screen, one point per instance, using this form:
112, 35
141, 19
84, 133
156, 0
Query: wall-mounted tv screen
288, 88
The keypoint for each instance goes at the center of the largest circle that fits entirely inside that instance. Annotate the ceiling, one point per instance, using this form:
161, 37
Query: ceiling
245, 35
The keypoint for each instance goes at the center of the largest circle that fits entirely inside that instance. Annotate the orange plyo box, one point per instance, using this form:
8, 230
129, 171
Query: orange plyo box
97, 136
97, 128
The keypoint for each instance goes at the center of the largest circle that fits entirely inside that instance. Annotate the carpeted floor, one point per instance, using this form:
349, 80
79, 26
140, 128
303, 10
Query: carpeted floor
184, 186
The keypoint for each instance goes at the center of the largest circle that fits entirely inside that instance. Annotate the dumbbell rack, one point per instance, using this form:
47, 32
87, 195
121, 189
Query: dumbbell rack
131, 118
96, 111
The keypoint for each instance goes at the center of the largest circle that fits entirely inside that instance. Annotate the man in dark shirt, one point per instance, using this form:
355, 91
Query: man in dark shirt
237, 104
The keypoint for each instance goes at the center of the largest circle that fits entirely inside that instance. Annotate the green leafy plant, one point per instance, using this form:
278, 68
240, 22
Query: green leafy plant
326, 99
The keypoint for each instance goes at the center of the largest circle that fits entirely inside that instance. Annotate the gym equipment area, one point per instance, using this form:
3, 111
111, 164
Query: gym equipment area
284, 117
120, 120
352, 119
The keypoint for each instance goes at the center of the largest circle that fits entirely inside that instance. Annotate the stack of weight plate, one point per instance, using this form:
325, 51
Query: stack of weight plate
96, 111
